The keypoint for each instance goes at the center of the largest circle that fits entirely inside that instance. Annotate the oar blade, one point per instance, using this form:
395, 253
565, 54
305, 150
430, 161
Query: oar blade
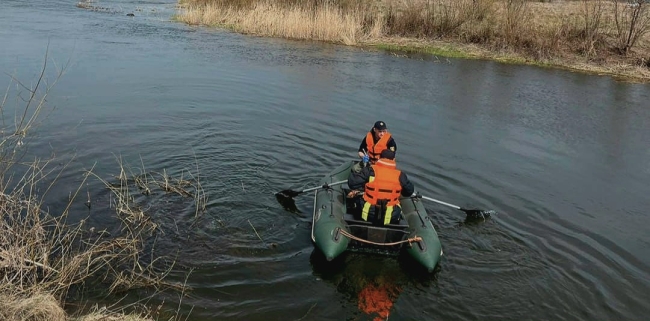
287, 193
287, 202
477, 214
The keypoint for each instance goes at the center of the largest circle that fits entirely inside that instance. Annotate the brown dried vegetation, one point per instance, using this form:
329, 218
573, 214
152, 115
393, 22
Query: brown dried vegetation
596, 35
43, 255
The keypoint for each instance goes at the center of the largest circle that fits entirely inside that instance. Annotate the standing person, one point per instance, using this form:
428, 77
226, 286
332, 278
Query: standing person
376, 140
382, 184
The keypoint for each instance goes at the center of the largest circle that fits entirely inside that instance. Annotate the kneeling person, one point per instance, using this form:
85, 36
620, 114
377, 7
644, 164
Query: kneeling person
382, 184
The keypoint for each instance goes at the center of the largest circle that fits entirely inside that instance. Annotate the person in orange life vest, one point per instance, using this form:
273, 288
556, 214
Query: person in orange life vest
376, 140
382, 183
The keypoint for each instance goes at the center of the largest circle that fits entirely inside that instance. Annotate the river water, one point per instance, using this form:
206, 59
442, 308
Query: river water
562, 157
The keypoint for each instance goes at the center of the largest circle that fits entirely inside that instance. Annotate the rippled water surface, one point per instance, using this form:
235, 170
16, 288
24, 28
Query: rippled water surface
562, 157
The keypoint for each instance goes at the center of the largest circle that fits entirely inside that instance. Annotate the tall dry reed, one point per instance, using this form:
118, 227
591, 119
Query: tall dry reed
310, 20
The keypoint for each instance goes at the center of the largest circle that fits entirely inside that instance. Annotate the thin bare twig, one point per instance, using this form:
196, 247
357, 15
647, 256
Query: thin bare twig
249, 222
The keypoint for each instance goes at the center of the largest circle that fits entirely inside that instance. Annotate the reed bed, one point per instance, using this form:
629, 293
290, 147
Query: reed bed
45, 256
597, 35
324, 23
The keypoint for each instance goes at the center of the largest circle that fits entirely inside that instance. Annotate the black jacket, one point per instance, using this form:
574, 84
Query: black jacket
358, 181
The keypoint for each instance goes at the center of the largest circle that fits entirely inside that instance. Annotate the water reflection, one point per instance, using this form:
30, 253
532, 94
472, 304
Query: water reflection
372, 283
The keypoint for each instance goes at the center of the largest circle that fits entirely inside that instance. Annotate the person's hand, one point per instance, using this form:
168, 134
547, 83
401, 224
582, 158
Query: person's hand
353, 193
365, 158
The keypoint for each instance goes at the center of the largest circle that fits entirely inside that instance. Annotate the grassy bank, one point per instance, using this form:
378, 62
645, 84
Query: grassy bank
47, 258
604, 37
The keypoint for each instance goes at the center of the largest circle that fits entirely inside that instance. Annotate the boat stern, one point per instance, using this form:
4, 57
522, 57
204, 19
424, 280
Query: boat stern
426, 252
329, 240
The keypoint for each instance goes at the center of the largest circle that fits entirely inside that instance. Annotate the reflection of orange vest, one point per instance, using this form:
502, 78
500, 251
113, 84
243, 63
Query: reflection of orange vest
385, 184
374, 150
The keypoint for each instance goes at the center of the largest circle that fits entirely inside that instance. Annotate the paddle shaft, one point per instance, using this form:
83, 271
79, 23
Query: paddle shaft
441, 202
323, 186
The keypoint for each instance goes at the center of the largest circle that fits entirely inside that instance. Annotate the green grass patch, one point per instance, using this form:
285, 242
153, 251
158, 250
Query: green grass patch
436, 51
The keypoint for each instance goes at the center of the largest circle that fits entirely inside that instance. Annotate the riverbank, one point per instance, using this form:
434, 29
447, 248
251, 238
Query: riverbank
594, 36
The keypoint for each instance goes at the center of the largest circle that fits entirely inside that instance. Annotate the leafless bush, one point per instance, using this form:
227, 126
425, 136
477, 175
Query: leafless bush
516, 14
592, 15
431, 18
632, 23
413, 19
481, 9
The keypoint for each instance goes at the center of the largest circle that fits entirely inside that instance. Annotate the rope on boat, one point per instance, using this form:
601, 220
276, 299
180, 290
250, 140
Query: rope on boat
350, 236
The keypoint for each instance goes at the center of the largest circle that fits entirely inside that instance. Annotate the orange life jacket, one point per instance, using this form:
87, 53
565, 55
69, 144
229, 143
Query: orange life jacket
374, 150
384, 185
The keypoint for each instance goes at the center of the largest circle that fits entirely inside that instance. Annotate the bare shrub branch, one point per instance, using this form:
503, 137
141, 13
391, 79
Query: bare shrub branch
592, 14
632, 22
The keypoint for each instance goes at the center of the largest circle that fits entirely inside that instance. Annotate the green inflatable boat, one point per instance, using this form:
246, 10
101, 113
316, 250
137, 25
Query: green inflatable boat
335, 229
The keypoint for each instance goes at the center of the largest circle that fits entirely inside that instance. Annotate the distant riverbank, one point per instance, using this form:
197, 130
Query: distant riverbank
601, 37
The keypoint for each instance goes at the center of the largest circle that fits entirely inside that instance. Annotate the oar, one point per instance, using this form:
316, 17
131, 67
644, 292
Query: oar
471, 213
291, 193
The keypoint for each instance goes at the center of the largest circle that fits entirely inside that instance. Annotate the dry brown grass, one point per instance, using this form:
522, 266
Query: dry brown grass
103, 315
45, 255
37, 307
582, 34
328, 23
45, 307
